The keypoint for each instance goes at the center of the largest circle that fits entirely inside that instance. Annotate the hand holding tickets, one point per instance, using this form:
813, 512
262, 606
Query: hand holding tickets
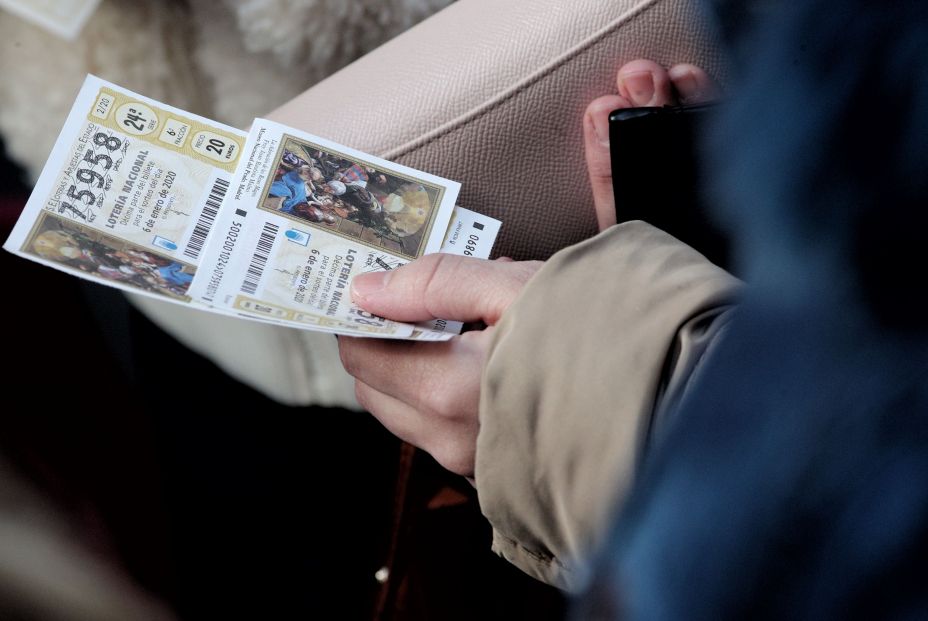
271, 226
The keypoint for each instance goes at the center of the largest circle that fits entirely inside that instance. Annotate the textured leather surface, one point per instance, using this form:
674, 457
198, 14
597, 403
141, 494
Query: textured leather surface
492, 94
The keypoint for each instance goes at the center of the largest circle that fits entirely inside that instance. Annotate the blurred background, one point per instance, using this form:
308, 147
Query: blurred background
136, 475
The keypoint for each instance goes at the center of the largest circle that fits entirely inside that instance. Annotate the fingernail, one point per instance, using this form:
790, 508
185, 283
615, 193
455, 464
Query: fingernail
367, 284
600, 123
640, 86
686, 84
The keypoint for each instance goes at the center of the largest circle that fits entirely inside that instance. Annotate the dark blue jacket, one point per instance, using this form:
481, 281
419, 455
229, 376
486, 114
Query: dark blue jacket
793, 481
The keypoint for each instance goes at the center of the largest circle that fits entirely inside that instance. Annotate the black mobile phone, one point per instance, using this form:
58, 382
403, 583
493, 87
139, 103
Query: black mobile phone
657, 177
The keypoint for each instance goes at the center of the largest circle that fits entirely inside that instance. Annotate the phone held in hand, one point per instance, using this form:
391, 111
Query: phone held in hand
657, 177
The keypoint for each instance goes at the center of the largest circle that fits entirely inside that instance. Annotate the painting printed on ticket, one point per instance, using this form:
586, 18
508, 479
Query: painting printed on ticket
350, 196
135, 170
304, 216
81, 248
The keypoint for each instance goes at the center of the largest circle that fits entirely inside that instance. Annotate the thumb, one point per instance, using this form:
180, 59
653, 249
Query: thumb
443, 286
598, 159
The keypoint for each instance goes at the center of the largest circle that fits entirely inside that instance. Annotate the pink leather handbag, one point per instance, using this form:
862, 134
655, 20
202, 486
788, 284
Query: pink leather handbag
492, 94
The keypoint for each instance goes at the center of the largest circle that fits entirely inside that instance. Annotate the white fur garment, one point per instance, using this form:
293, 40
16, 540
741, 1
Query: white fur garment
229, 60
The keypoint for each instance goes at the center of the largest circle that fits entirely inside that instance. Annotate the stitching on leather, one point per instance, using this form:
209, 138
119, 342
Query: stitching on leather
527, 83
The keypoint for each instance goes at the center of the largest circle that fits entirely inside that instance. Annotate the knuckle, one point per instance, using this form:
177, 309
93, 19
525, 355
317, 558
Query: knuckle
432, 272
525, 270
454, 456
419, 395
433, 397
439, 280
441, 402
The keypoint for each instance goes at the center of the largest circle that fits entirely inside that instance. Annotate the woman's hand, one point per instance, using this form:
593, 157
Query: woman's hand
428, 393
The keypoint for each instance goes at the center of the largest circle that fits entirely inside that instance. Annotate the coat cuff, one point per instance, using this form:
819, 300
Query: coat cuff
600, 336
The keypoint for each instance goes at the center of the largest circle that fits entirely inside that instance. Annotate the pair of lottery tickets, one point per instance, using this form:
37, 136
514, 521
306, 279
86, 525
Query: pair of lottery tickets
269, 226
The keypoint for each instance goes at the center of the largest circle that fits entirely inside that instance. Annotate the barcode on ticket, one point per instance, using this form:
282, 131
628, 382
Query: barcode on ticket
206, 219
259, 259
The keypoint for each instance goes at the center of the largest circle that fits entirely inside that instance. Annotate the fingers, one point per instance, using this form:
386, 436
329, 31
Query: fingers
692, 84
645, 83
640, 83
429, 377
445, 286
424, 393
396, 368
598, 159
451, 440
399, 419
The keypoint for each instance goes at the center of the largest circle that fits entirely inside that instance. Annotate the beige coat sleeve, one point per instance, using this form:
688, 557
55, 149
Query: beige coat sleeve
603, 337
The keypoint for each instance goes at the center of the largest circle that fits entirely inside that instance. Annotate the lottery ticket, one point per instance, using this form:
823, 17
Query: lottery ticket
150, 199
304, 216
129, 193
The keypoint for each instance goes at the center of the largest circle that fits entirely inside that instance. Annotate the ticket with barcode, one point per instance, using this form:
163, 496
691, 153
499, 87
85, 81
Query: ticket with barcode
129, 192
304, 216
153, 200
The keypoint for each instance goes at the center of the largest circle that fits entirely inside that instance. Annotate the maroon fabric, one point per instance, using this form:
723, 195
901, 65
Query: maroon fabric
10, 208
